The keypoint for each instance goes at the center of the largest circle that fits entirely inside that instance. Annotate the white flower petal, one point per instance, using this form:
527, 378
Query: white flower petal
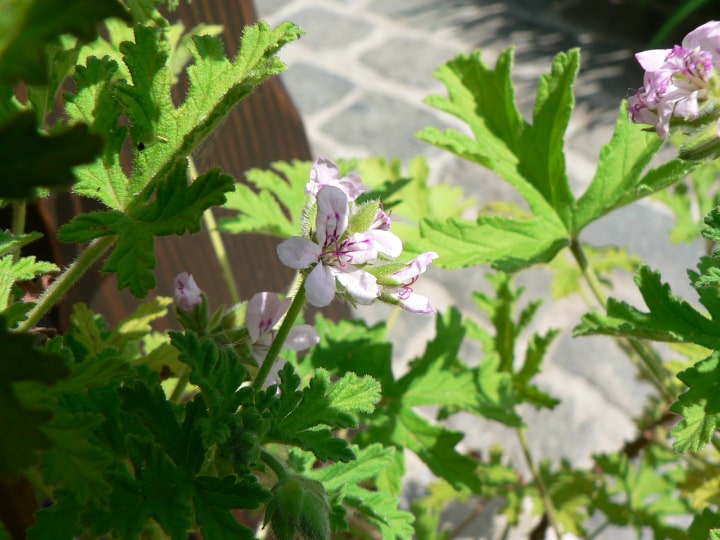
320, 286
359, 284
332, 215
301, 337
298, 252
386, 242
415, 303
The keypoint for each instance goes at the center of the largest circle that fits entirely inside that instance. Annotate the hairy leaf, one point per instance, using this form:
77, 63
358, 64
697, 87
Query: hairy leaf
177, 207
699, 405
669, 318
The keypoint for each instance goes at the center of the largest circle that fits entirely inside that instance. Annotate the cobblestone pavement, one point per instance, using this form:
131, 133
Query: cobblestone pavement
359, 76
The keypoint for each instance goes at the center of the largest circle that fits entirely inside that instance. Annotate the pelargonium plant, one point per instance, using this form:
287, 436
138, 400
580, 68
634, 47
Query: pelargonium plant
124, 431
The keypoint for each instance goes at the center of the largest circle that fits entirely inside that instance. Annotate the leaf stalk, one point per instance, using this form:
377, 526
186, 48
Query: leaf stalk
649, 362
539, 482
67, 279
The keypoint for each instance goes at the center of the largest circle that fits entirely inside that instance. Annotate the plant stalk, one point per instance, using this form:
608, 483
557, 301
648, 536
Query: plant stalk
66, 280
272, 354
539, 482
180, 386
19, 213
272, 462
217, 244
636, 349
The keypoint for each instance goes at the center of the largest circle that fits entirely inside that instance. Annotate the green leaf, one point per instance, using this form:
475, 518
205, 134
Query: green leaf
382, 510
699, 405
27, 26
218, 371
30, 161
353, 346
170, 134
669, 318
61, 58
94, 104
155, 489
274, 205
705, 526
61, 520
368, 463
414, 198
76, 460
438, 378
433, 444
137, 325
508, 244
176, 208
619, 177
298, 415
216, 496
641, 493
502, 384
22, 360
530, 157
542, 160
571, 492
23, 269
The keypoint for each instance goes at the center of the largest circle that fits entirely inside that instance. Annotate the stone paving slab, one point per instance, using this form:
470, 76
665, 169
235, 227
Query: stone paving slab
359, 76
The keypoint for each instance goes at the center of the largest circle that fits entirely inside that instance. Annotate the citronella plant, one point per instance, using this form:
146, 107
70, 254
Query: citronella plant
126, 432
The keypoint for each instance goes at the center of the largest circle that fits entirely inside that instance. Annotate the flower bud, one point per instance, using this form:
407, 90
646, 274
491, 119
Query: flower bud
299, 505
187, 294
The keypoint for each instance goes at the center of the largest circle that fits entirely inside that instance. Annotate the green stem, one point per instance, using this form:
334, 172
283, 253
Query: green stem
19, 213
588, 273
539, 482
66, 280
272, 462
221, 254
649, 363
292, 314
597, 531
217, 244
180, 386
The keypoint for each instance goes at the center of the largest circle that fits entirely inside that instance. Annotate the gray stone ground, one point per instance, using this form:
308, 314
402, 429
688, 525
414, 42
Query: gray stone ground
359, 76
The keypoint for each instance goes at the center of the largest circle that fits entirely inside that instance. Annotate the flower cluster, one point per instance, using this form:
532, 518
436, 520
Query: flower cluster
351, 251
677, 81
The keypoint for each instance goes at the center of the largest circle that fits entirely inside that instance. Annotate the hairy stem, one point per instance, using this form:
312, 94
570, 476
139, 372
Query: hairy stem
292, 314
218, 245
272, 462
19, 212
539, 482
66, 280
639, 352
180, 386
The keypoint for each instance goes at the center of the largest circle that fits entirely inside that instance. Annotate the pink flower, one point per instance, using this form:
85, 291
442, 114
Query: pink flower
403, 293
676, 81
336, 254
264, 311
325, 172
187, 294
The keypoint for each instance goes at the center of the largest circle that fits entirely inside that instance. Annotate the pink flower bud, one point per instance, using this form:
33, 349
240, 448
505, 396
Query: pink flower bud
187, 293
